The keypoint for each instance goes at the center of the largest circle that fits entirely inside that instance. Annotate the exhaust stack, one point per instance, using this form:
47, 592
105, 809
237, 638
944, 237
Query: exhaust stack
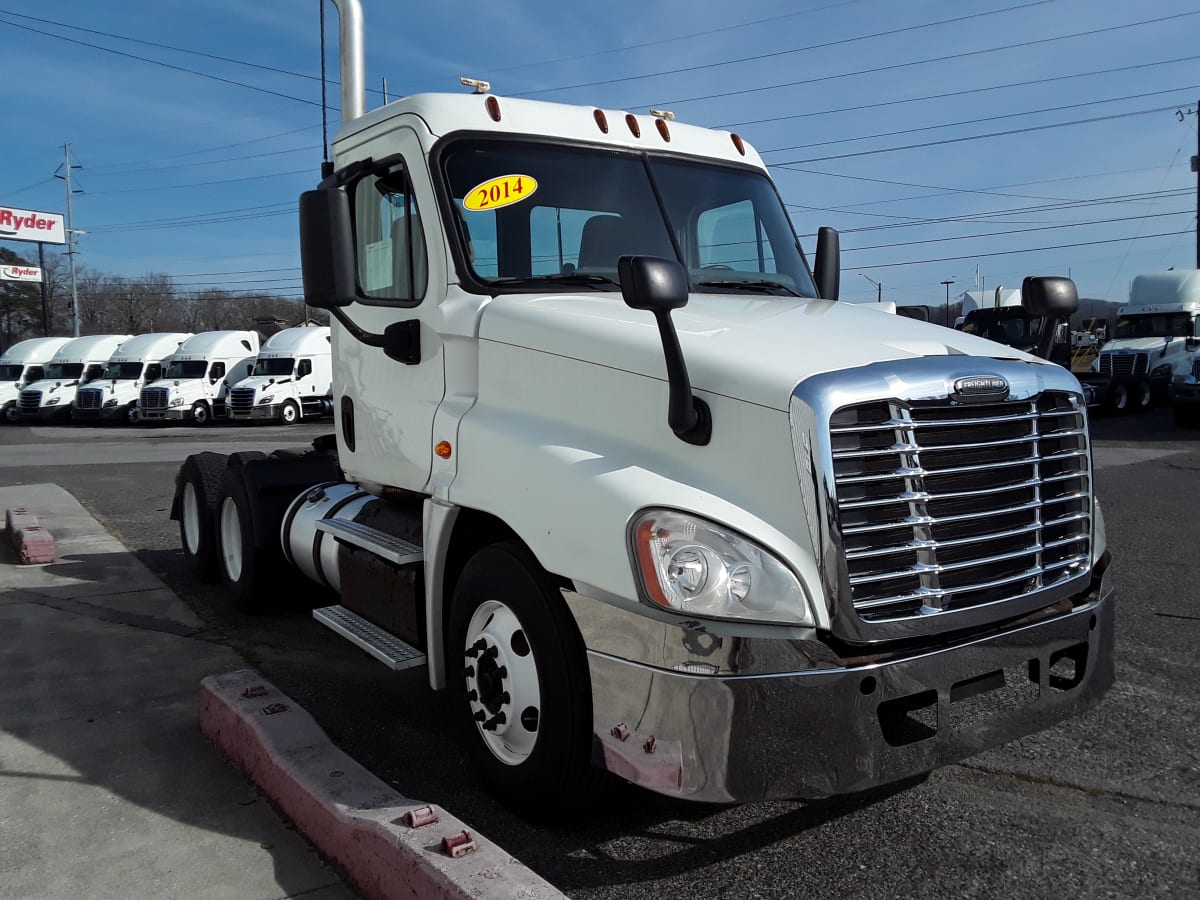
352, 59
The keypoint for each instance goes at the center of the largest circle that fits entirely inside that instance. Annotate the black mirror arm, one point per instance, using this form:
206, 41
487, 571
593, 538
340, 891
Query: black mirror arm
1045, 342
401, 340
687, 415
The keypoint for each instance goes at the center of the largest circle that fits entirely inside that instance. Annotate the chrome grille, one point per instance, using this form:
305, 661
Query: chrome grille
946, 506
241, 400
1124, 363
88, 398
153, 398
31, 401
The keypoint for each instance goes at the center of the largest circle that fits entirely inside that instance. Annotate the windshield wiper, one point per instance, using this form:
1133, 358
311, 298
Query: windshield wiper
765, 285
573, 278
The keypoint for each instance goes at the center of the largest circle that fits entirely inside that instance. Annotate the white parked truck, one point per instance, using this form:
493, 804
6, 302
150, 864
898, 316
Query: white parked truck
21, 364
292, 379
1153, 343
141, 360
195, 387
639, 502
77, 362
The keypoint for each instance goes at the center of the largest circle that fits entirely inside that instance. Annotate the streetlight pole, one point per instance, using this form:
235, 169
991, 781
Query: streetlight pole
878, 287
947, 283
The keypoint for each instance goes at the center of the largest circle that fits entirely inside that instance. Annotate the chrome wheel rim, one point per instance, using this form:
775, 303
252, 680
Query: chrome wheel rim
503, 691
191, 519
289, 414
231, 539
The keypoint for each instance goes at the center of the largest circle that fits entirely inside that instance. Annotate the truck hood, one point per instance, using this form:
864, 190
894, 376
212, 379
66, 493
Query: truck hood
51, 387
748, 348
265, 383
124, 388
1142, 345
188, 388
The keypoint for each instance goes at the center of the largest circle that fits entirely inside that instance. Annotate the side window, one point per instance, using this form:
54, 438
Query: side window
732, 237
304, 368
153, 372
35, 373
95, 370
390, 245
217, 371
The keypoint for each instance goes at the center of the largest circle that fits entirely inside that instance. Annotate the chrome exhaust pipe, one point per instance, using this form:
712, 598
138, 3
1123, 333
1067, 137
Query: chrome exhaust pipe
352, 59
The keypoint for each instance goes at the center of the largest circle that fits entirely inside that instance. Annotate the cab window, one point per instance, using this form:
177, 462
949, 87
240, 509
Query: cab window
389, 241
217, 371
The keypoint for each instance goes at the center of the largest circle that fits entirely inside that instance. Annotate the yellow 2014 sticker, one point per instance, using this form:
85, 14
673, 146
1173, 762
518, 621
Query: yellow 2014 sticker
497, 192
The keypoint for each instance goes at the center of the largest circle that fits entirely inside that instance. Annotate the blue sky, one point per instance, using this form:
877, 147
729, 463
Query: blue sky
161, 146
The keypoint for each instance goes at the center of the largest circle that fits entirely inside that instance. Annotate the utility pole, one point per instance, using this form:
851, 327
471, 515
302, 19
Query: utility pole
1182, 113
71, 241
947, 283
878, 287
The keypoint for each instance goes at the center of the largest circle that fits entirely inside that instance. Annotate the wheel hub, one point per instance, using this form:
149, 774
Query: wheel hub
503, 691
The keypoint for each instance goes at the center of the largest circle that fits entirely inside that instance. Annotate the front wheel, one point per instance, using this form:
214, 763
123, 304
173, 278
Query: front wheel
524, 689
11, 413
201, 414
289, 413
132, 414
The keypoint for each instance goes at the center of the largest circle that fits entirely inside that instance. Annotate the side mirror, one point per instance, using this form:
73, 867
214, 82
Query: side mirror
660, 286
327, 249
1052, 298
828, 268
1190, 343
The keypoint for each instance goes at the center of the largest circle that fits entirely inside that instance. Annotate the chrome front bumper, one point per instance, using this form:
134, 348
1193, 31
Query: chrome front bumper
177, 413
269, 411
828, 727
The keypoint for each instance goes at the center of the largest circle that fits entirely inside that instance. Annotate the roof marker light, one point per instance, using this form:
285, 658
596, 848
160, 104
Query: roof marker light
737, 142
481, 87
601, 120
661, 125
634, 128
493, 108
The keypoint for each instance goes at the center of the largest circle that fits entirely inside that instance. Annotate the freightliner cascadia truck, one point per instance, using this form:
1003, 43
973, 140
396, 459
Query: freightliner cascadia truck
612, 463
21, 364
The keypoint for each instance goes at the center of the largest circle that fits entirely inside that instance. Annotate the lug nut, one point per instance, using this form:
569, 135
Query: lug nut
495, 721
480, 715
491, 652
472, 696
502, 671
469, 672
504, 698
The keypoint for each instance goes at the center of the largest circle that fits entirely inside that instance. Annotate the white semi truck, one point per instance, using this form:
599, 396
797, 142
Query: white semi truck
292, 379
1153, 344
639, 503
195, 387
75, 363
21, 364
141, 360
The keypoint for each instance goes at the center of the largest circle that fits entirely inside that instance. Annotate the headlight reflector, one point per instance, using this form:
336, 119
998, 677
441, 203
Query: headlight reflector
176, 401
266, 399
1162, 371
694, 566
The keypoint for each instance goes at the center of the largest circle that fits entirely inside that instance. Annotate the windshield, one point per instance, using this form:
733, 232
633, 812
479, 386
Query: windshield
533, 214
127, 371
1159, 325
63, 371
280, 365
1015, 327
187, 368
11, 372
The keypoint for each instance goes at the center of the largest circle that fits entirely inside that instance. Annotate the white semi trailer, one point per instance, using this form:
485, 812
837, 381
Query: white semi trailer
21, 364
75, 363
195, 387
292, 379
141, 360
640, 503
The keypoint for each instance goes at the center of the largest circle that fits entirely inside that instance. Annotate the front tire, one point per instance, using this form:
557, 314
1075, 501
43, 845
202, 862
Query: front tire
289, 413
201, 414
132, 414
524, 691
11, 413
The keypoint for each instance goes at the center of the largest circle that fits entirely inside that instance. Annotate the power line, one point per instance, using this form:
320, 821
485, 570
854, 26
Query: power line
778, 53
979, 137
142, 170
155, 62
174, 187
995, 118
918, 262
967, 54
215, 212
925, 97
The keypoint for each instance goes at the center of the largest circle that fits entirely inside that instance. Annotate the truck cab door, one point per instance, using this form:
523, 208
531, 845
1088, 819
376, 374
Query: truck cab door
385, 407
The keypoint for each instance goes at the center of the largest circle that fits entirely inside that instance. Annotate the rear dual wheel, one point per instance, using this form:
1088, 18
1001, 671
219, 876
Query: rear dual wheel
199, 483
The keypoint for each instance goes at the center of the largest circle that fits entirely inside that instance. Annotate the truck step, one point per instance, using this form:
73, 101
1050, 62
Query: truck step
384, 646
382, 544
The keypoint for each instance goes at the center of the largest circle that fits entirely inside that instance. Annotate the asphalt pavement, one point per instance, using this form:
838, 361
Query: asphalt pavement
1107, 805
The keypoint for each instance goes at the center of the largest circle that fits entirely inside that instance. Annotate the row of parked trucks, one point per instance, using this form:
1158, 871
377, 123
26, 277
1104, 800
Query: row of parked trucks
169, 376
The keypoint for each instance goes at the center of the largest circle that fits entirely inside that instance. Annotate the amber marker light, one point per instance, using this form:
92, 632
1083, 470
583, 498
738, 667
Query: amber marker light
443, 449
645, 534
737, 142
493, 108
601, 120
634, 128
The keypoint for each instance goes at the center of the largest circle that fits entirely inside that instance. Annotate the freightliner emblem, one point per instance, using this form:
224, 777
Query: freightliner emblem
980, 389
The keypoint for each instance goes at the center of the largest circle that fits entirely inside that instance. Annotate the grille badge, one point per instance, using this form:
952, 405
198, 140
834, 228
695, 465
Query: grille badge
979, 389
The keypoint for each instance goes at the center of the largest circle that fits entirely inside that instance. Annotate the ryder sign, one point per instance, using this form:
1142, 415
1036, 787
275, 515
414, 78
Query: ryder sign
28, 225
20, 273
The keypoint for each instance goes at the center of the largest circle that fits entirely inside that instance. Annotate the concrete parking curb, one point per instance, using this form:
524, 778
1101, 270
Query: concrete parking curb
352, 817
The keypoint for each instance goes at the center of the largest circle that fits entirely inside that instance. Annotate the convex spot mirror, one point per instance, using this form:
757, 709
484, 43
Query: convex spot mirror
327, 248
1049, 295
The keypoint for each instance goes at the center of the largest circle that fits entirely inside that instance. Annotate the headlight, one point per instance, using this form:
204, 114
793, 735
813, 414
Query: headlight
1161, 371
694, 566
266, 399
176, 401
52, 401
108, 404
